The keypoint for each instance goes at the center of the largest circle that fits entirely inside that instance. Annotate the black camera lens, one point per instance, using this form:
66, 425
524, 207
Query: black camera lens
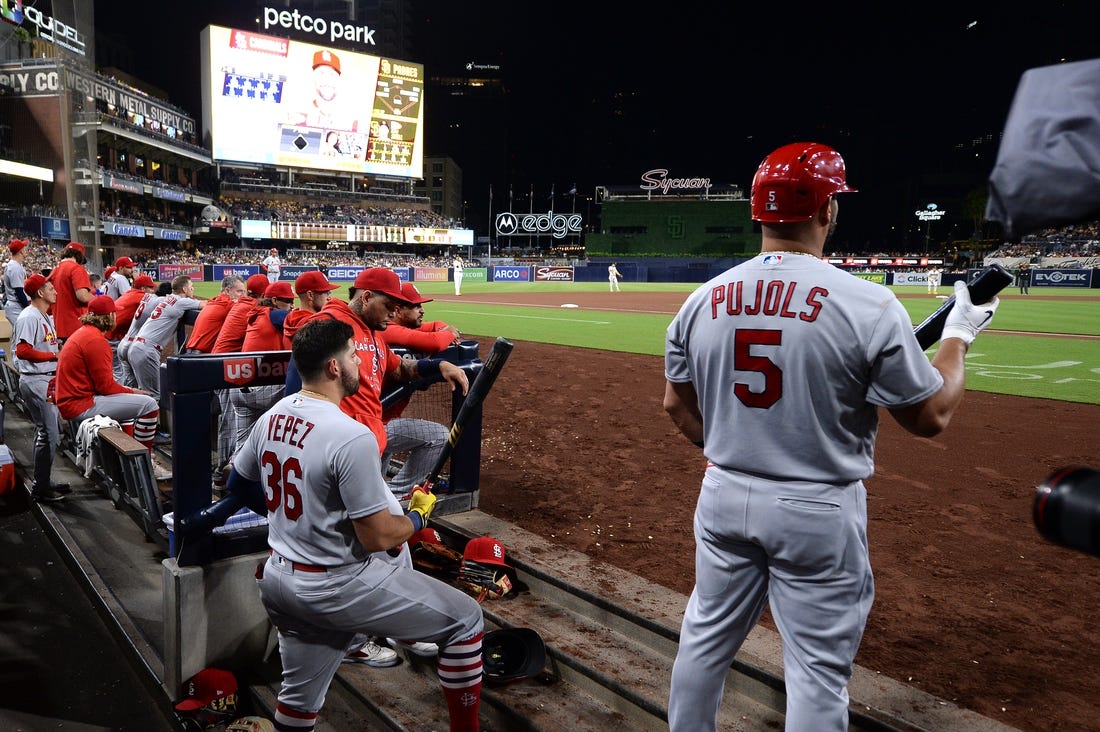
1067, 508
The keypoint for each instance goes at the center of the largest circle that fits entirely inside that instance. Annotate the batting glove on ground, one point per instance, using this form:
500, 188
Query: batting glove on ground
421, 502
966, 320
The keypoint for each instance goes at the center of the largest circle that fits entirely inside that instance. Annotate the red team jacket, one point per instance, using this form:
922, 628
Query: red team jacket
365, 405
209, 323
261, 334
231, 337
68, 277
126, 305
84, 369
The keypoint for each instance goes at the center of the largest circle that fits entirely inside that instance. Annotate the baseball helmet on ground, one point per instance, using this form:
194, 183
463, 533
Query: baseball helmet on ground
793, 182
512, 654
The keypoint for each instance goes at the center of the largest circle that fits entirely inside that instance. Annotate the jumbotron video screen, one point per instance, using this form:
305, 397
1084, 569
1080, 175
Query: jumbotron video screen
278, 101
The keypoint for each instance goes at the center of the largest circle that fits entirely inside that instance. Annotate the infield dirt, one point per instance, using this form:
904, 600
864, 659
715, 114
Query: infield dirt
972, 605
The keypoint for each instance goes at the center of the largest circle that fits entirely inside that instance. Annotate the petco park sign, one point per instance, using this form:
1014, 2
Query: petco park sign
333, 29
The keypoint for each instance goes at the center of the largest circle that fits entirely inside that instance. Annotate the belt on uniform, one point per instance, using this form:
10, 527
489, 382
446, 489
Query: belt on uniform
139, 339
37, 373
298, 566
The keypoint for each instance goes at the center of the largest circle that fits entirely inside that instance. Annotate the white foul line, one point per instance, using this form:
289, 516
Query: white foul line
525, 317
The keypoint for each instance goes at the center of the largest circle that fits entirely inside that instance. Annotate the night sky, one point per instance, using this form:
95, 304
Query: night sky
914, 97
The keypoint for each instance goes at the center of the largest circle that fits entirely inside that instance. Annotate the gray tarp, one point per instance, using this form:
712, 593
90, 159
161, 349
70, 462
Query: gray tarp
1048, 166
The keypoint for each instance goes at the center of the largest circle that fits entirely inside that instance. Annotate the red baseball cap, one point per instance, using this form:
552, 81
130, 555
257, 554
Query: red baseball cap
17, 245
257, 284
313, 281
380, 279
76, 246
326, 58
144, 281
101, 305
208, 686
410, 294
485, 549
280, 290
426, 535
124, 262
33, 284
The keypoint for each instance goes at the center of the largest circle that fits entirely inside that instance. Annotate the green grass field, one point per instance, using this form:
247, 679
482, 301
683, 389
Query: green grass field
1014, 359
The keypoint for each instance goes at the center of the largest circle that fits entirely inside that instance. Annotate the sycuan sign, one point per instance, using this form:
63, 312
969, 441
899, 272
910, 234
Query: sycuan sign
658, 180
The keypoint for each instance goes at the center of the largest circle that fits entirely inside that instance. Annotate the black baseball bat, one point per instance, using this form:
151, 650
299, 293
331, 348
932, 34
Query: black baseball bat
209, 517
475, 395
217, 513
983, 288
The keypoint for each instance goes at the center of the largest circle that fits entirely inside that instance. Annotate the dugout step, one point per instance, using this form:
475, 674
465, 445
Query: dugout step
597, 619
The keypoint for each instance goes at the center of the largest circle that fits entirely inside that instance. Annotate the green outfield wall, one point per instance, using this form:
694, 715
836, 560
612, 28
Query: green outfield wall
673, 228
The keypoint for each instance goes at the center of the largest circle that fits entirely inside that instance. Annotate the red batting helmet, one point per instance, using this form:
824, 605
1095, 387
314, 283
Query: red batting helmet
795, 181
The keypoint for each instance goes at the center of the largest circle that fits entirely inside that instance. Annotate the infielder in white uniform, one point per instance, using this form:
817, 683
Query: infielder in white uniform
273, 265
156, 332
755, 355
331, 518
935, 276
457, 269
613, 275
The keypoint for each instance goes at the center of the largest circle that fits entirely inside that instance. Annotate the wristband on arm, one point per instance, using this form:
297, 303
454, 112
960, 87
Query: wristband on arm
428, 368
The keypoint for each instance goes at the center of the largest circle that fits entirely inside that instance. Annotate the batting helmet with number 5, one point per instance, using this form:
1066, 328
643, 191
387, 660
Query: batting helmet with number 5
795, 181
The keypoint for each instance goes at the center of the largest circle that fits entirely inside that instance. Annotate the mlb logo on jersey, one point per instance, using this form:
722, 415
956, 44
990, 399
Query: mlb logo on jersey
773, 259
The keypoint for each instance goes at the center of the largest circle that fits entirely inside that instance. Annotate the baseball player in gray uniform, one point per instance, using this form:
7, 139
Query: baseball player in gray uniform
144, 309
331, 518
15, 299
156, 331
777, 369
118, 284
35, 357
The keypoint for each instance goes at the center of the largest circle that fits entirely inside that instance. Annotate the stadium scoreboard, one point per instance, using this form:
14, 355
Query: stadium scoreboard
278, 101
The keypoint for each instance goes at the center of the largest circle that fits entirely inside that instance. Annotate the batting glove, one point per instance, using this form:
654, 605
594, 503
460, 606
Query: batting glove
421, 503
966, 320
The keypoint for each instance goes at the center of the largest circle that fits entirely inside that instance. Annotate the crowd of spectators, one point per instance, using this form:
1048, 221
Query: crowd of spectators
1074, 240
297, 257
333, 213
39, 255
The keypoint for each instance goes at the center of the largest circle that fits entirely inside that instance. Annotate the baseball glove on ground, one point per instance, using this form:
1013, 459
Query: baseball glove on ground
437, 560
483, 581
250, 724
